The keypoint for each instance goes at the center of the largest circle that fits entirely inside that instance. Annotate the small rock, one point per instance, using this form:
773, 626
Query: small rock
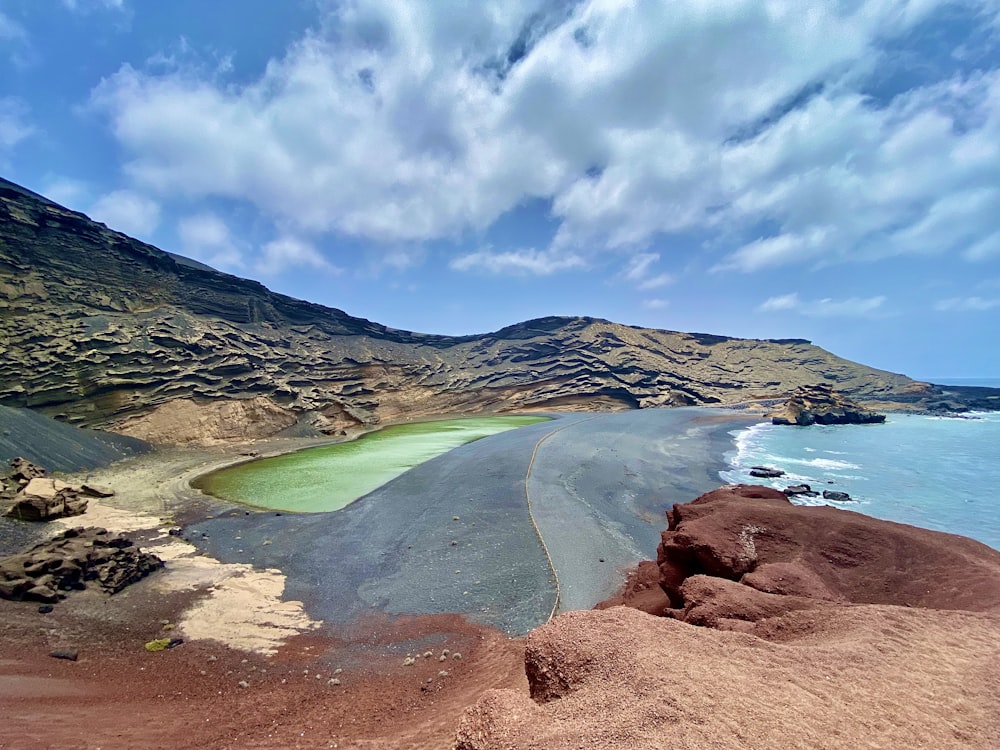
333, 681
409, 661
456, 655
243, 684
70, 654
443, 673
45, 609
837, 497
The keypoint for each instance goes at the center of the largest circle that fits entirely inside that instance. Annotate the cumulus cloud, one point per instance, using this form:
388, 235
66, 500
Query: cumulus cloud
127, 211
823, 308
289, 253
967, 304
527, 262
395, 121
207, 238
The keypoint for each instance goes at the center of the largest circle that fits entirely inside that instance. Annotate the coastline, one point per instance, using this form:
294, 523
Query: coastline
252, 621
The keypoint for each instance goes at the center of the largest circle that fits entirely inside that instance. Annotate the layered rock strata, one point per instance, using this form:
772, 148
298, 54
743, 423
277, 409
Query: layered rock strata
102, 330
821, 404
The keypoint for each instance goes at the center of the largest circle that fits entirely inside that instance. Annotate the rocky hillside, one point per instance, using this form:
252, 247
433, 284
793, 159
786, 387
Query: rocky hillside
102, 330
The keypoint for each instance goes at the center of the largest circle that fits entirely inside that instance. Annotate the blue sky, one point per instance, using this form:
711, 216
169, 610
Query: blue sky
825, 170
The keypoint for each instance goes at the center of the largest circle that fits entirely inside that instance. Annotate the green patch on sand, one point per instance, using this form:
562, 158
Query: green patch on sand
333, 476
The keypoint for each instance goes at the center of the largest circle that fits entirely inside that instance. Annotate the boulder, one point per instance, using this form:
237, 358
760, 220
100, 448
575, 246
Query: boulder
23, 471
836, 497
821, 404
70, 561
765, 472
44, 499
800, 490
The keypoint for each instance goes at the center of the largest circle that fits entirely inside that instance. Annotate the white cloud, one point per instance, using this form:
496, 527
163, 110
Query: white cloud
287, 253
784, 302
967, 304
67, 192
398, 121
988, 247
127, 211
84, 6
824, 308
528, 262
206, 237
639, 271
14, 126
655, 304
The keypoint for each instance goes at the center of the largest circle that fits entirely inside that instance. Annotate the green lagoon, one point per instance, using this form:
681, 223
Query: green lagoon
333, 476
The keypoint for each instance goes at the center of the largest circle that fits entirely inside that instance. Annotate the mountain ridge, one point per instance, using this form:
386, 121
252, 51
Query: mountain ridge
106, 331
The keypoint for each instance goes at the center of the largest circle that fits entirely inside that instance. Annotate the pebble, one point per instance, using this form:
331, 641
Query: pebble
69, 654
243, 684
333, 681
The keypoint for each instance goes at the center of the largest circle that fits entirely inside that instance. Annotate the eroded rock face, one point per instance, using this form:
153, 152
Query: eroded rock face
820, 404
45, 499
755, 538
71, 561
105, 331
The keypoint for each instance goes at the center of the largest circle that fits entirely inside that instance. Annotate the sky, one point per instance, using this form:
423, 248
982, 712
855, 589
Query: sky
755, 168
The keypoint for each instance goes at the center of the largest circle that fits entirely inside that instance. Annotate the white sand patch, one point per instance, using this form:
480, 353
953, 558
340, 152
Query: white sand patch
113, 519
243, 609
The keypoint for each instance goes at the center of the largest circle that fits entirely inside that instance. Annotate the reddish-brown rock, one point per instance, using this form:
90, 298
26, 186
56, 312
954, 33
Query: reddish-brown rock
850, 632
862, 676
755, 536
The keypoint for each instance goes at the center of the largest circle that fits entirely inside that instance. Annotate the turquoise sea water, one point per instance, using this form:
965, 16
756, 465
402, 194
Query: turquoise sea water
936, 472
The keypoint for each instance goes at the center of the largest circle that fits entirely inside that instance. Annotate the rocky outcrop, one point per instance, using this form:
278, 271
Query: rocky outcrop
104, 331
70, 561
45, 499
755, 538
820, 404
868, 633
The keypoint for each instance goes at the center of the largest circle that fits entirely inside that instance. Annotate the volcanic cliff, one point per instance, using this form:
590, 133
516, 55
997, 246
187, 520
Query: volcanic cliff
104, 331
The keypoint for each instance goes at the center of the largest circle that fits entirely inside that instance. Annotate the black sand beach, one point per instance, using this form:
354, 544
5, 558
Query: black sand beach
598, 487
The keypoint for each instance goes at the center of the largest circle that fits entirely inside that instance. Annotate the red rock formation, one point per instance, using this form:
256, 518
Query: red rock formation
755, 536
856, 632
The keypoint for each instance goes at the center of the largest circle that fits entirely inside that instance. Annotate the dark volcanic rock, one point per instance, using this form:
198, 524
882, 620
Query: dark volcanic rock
71, 560
765, 472
820, 404
800, 490
106, 331
837, 497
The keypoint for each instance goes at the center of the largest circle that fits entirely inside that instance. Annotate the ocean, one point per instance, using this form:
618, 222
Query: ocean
940, 473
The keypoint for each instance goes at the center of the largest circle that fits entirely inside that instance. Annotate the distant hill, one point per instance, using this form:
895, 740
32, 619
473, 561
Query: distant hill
101, 330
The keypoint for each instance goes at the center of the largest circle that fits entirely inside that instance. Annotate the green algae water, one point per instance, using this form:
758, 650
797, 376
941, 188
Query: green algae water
333, 476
